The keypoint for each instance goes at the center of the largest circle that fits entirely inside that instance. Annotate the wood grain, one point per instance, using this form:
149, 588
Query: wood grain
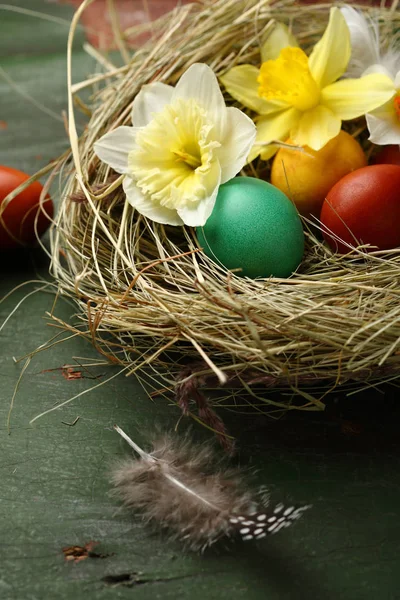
54, 490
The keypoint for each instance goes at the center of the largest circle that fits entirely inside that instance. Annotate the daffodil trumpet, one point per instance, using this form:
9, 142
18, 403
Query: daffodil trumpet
300, 96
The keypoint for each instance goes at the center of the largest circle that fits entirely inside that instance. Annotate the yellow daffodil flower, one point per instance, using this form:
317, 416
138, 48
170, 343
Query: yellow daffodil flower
300, 97
367, 57
183, 144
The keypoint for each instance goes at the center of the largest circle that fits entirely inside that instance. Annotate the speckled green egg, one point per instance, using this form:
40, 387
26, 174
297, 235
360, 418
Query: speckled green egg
253, 227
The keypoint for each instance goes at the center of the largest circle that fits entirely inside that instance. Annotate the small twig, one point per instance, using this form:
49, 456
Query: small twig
74, 422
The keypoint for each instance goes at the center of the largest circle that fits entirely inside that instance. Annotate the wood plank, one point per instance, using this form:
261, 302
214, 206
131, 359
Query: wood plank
54, 488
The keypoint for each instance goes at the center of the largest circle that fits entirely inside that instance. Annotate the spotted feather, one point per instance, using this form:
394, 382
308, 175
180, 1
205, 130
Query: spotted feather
178, 487
267, 522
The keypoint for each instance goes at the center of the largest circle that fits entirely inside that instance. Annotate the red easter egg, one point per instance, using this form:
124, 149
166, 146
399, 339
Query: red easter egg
364, 208
23, 216
389, 155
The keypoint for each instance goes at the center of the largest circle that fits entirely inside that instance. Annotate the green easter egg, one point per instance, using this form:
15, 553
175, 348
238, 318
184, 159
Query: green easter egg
253, 227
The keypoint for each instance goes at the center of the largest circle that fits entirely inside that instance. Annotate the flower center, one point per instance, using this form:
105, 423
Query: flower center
288, 78
396, 102
174, 160
189, 159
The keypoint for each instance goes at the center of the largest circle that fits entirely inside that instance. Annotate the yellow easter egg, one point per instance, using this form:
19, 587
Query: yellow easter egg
307, 175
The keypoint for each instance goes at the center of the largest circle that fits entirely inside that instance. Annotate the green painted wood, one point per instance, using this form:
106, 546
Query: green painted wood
54, 489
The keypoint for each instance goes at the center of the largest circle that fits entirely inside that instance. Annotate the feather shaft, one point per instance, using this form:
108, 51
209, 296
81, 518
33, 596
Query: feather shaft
184, 487
133, 445
170, 477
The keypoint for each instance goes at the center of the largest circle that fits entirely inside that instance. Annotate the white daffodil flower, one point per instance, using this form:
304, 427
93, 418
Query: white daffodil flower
183, 144
366, 58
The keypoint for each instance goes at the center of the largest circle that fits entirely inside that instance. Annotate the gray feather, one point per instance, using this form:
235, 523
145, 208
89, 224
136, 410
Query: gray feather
180, 487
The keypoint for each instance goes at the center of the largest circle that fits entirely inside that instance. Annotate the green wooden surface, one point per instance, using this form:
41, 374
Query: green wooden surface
54, 489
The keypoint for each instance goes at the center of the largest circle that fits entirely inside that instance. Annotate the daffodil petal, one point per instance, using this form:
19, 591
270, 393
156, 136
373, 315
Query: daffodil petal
196, 214
351, 98
147, 207
397, 80
364, 39
114, 147
269, 152
199, 83
378, 68
384, 125
236, 143
315, 128
150, 100
330, 56
279, 38
276, 127
241, 83
254, 152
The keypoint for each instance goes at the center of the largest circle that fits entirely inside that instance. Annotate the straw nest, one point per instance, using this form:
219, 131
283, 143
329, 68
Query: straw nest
151, 301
